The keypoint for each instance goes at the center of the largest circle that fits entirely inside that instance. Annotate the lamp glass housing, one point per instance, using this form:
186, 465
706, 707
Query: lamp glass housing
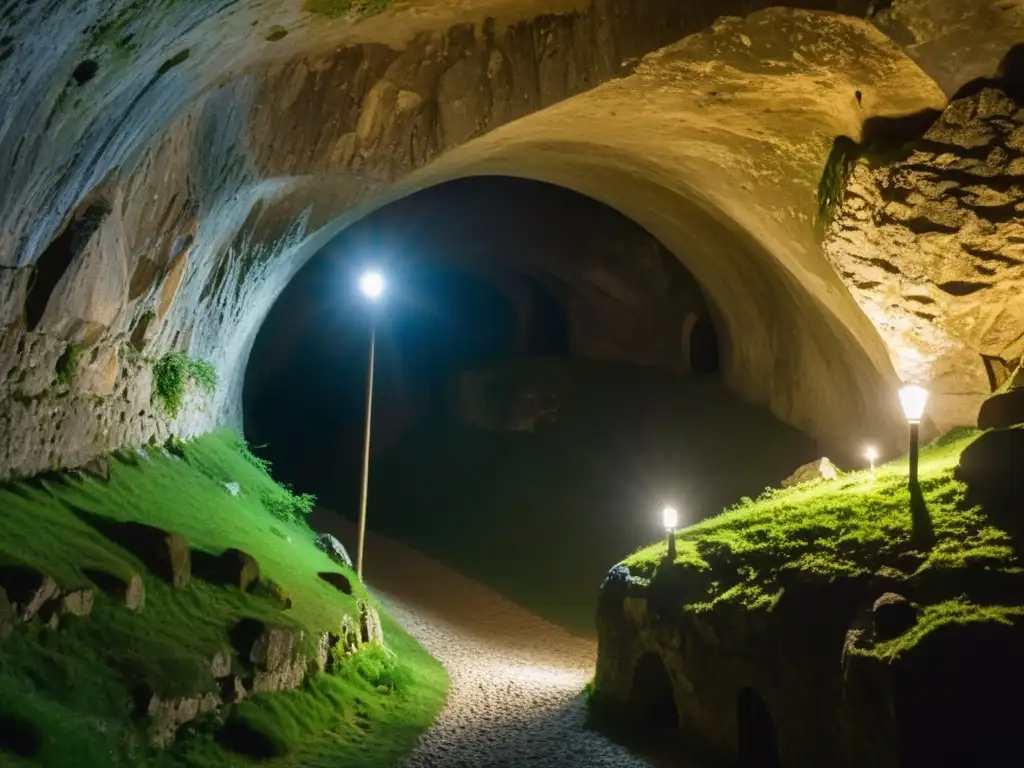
913, 399
372, 285
670, 518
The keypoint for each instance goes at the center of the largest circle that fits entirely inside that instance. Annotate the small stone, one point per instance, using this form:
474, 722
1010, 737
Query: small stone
98, 468
334, 549
821, 469
892, 615
27, 589
233, 488
78, 603
337, 580
370, 629
220, 665
167, 715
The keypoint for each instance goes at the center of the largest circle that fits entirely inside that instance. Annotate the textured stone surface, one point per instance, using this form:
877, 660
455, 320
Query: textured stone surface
163, 203
821, 469
932, 248
828, 702
334, 549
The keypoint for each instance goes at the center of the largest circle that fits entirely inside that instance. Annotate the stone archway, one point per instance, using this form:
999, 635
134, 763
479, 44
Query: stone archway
756, 745
652, 699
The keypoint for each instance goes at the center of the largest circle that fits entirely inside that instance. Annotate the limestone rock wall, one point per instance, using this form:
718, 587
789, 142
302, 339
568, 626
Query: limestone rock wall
167, 167
932, 249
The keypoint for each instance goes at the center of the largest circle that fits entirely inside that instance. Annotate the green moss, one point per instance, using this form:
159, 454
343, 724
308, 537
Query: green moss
74, 684
832, 187
831, 530
171, 375
959, 610
67, 363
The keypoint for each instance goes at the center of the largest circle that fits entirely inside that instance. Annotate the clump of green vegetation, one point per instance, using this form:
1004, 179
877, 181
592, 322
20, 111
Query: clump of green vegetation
67, 363
73, 684
287, 506
337, 8
857, 525
172, 373
832, 187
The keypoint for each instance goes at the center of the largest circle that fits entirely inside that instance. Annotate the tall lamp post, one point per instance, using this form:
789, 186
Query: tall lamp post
371, 284
670, 519
913, 399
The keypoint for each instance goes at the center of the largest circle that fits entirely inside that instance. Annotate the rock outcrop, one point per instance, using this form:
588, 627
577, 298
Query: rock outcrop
932, 248
807, 683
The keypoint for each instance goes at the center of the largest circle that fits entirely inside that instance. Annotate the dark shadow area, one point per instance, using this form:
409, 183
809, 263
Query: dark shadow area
651, 699
19, 736
529, 419
704, 347
755, 732
922, 528
957, 698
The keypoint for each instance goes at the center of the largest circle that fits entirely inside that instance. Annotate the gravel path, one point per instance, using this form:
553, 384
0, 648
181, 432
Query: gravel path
515, 678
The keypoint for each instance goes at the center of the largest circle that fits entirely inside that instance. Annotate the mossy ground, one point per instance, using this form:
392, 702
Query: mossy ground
857, 525
73, 685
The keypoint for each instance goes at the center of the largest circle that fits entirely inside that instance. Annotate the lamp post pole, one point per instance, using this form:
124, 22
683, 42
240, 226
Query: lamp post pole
366, 451
372, 286
915, 427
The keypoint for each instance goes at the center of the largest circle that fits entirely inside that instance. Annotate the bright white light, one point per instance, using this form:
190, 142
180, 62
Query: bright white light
670, 518
871, 453
913, 399
372, 285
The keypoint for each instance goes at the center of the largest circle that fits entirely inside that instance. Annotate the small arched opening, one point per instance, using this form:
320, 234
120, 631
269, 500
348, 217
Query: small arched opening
651, 698
755, 732
704, 346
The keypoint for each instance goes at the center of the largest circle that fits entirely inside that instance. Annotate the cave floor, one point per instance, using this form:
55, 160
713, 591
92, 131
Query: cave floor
516, 679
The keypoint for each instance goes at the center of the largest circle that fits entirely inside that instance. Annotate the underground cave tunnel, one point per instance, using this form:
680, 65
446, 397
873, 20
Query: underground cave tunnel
541, 362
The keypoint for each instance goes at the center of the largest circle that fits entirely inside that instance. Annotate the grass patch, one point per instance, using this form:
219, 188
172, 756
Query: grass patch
74, 684
851, 527
171, 375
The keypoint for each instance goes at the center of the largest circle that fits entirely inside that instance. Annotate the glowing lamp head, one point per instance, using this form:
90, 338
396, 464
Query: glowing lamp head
670, 518
871, 453
372, 285
913, 399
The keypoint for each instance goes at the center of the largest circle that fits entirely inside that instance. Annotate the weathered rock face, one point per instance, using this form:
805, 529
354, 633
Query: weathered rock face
932, 248
164, 182
798, 685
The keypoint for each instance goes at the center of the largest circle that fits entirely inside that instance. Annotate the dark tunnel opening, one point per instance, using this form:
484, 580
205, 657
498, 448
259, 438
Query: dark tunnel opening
651, 697
755, 732
531, 388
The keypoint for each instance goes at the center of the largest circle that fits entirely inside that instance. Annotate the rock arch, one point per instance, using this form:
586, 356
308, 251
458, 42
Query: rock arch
261, 150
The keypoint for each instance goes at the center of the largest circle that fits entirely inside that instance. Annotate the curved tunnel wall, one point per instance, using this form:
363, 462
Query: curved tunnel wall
223, 169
